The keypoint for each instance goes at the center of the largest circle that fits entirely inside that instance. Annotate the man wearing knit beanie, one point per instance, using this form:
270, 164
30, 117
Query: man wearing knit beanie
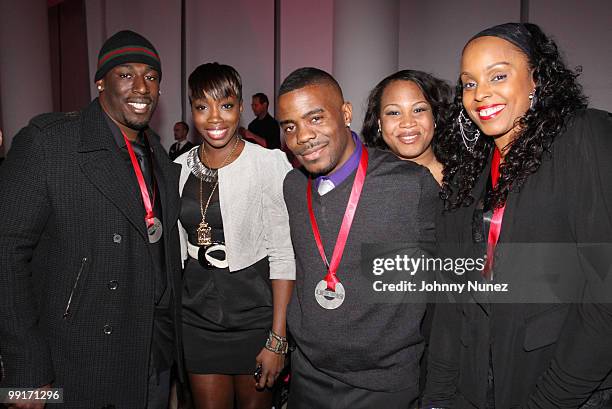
128, 77
90, 261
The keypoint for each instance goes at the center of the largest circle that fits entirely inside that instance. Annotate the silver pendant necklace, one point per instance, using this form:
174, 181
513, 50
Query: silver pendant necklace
200, 170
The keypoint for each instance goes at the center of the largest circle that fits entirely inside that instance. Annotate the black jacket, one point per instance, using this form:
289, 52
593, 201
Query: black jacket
543, 355
76, 273
173, 153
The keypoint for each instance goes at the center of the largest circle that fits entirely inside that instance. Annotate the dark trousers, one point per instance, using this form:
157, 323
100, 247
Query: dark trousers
159, 389
312, 389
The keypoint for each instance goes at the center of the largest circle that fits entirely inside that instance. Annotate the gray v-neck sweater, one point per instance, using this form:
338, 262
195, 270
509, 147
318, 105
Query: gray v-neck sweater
367, 344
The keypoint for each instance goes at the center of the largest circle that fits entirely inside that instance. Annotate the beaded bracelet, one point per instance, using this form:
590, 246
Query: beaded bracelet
281, 346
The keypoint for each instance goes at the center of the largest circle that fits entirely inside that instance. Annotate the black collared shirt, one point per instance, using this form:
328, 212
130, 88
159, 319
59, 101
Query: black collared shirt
268, 129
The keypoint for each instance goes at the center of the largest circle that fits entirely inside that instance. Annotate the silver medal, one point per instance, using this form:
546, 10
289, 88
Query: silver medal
155, 231
330, 300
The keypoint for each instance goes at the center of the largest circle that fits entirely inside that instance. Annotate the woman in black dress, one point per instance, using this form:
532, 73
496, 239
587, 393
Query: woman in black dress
239, 263
526, 183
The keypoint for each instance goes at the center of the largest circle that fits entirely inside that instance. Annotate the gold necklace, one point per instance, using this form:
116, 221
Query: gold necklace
204, 230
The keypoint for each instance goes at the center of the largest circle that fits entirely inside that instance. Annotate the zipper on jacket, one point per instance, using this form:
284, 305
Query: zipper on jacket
2, 374
76, 283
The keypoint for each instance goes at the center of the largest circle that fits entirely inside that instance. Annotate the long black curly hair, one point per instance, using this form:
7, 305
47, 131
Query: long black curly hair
437, 92
558, 96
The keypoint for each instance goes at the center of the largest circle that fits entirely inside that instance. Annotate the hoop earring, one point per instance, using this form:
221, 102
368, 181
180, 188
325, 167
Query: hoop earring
468, 141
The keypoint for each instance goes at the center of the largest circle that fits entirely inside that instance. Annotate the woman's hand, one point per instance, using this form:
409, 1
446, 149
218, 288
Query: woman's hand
271, 366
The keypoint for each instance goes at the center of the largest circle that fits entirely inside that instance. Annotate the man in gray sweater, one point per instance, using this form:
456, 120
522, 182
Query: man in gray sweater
351, 352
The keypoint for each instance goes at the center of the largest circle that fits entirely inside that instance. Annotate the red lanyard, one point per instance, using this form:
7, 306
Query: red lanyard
144, 192
496, 220
347, 221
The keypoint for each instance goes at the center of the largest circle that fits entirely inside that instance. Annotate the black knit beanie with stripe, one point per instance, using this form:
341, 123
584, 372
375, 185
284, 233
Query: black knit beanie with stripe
126, 47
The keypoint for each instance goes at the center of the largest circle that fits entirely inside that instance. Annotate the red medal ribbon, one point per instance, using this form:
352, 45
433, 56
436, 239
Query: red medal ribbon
146, 199
496, 220
347, 221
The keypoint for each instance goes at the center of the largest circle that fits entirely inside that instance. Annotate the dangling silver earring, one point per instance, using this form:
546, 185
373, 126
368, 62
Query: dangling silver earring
466, 122
159, 92
532, 98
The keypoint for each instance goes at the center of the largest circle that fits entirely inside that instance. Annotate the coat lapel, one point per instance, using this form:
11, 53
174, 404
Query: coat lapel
101, 162
480, 297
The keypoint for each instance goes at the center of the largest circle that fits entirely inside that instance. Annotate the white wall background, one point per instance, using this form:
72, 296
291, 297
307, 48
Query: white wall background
306, 35
239, 33
359, 41
25, 84
583, 31
365, 48
432, 33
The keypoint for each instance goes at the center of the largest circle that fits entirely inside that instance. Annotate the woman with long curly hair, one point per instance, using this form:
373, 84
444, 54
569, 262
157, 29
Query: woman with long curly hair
406, 111
527, 190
